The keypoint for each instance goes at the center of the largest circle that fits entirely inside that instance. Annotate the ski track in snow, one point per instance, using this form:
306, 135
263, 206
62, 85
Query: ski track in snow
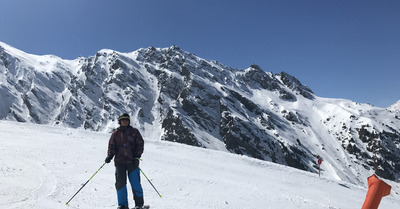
44, 166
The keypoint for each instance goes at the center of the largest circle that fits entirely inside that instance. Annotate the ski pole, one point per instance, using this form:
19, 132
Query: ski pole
150, 183
84, 184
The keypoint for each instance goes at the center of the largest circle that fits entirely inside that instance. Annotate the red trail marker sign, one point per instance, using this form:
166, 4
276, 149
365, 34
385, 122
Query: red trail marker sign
319, 165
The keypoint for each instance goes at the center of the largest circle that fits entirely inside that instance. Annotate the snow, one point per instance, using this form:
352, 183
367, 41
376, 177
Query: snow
44, 166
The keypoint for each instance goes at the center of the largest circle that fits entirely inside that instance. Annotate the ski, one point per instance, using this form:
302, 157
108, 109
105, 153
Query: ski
143, 207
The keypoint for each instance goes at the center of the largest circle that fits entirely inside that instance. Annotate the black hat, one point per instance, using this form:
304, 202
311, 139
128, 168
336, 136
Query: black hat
124, 116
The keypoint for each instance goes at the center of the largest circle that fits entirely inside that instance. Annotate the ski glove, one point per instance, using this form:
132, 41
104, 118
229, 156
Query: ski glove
108, 159
136, 162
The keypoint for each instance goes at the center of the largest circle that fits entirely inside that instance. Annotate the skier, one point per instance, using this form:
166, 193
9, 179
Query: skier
126, 145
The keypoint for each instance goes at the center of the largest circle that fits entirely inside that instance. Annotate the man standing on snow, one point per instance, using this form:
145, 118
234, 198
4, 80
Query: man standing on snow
126, 144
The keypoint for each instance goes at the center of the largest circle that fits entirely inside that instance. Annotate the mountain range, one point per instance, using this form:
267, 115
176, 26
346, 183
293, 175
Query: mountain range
174, 95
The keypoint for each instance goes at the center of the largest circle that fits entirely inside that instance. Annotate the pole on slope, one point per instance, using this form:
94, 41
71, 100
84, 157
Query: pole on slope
319, 165
150, 183
85, 184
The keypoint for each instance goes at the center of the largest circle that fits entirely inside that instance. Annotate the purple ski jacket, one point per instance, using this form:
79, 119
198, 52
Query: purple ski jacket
125, 144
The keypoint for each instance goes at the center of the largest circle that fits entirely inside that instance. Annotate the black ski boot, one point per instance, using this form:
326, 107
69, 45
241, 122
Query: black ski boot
142, 207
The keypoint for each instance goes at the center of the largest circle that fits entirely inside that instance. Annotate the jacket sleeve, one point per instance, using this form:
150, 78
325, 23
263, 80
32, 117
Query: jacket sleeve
139, 145
112, 147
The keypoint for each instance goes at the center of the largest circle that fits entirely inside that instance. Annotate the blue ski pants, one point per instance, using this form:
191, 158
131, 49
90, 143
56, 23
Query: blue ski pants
130, 171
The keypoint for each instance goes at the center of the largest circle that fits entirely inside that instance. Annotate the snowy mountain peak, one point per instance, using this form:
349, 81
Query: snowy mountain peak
174, 95
395, 106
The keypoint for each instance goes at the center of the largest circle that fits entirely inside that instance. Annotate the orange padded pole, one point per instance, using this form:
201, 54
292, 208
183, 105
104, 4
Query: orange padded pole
376, 190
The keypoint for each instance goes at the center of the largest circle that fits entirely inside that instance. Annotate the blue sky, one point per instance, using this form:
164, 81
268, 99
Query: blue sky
339, 48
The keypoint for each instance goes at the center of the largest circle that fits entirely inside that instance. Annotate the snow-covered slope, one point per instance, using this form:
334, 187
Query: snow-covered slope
176, 96
43, 166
